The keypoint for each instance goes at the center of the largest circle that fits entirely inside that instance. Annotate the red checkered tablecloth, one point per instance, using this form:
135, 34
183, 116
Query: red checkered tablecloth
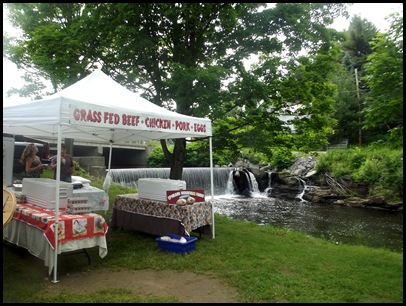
70, 227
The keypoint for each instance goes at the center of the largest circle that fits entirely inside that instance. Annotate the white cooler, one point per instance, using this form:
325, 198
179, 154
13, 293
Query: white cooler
155, 188
42, 192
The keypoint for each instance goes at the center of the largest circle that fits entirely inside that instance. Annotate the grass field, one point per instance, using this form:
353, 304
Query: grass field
264, 264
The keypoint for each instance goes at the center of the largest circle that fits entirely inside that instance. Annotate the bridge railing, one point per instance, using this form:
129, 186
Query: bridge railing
341, 145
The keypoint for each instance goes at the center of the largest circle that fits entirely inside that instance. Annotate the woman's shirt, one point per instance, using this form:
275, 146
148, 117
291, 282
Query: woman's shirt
35, 173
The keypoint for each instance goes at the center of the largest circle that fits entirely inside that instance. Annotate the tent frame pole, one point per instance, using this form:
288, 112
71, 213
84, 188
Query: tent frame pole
58, 184
110, 152
212, 187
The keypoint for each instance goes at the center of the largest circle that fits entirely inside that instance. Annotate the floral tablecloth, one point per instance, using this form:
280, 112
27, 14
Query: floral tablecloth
192, 216
99, 199
70, 227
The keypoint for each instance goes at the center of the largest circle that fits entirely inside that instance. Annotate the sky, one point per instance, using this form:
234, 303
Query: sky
373, 12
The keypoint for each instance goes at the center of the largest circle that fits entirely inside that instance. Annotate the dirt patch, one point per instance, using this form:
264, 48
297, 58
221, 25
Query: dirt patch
188, 287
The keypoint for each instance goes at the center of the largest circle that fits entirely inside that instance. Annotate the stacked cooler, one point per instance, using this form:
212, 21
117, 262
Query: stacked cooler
155, 188
42, 192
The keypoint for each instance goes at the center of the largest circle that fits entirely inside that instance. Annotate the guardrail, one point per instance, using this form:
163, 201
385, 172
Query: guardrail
341, 145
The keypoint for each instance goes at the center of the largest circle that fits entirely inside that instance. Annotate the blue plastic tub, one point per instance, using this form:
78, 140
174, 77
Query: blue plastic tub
177, 247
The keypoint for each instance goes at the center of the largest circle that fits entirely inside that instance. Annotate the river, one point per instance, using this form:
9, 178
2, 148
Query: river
339, 224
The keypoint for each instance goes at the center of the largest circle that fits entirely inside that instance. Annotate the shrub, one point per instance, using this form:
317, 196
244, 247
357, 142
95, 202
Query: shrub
157, 159
379, 167
337, 162
282, 158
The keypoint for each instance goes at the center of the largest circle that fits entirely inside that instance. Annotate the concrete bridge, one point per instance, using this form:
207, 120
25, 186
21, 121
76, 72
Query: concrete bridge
94, 158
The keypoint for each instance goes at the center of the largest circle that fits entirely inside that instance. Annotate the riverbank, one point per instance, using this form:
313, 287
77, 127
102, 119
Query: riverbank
309, 177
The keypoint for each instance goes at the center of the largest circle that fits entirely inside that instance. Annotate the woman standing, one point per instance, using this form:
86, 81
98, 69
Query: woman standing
29, 158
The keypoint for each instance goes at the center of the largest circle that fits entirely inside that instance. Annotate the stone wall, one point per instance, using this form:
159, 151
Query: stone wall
94, 165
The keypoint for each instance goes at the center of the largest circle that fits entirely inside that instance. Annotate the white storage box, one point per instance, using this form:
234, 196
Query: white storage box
155, 188
18, 187
78, 205
42, 192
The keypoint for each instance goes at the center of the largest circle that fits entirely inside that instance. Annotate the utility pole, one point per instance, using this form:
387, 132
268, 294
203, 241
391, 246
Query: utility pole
359, 109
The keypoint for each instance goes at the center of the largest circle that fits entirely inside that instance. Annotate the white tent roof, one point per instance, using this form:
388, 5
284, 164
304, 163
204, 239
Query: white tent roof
99, 109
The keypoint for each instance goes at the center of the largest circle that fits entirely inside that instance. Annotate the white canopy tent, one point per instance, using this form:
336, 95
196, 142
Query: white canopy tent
98, 109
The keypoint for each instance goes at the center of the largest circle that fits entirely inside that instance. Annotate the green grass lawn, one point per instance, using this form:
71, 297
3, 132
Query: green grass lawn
264, 264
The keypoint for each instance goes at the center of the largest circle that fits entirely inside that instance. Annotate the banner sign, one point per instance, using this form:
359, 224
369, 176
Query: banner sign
100, 116
190, 196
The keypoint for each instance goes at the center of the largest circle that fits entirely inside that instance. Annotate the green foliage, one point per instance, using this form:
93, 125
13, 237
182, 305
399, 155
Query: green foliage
335, 162
156, 159
57, 49
162, 50
384, 76
347, 108
79, 171
360, 33
282, 158
358, 157
193, 55
308, 83
253, 156
377, 106
383, 171
348, 103
197, 155
369, 172
394, 139
380, 168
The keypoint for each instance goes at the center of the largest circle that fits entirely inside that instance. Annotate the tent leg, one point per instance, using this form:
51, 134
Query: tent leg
58, 184
212, 187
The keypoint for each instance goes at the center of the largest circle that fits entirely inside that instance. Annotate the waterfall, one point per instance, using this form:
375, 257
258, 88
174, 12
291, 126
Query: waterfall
195, 178
242, 182
230, 184
268, 190
300, 195
254, 183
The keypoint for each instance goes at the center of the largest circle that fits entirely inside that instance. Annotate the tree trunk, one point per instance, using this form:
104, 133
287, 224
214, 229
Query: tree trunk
176, 159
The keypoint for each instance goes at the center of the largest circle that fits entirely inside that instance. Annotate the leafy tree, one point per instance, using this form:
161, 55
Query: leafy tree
198, 156
347, 110
309, 84
156, 158
349, 102
52, 43
183, 56
384, 77
360, 33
